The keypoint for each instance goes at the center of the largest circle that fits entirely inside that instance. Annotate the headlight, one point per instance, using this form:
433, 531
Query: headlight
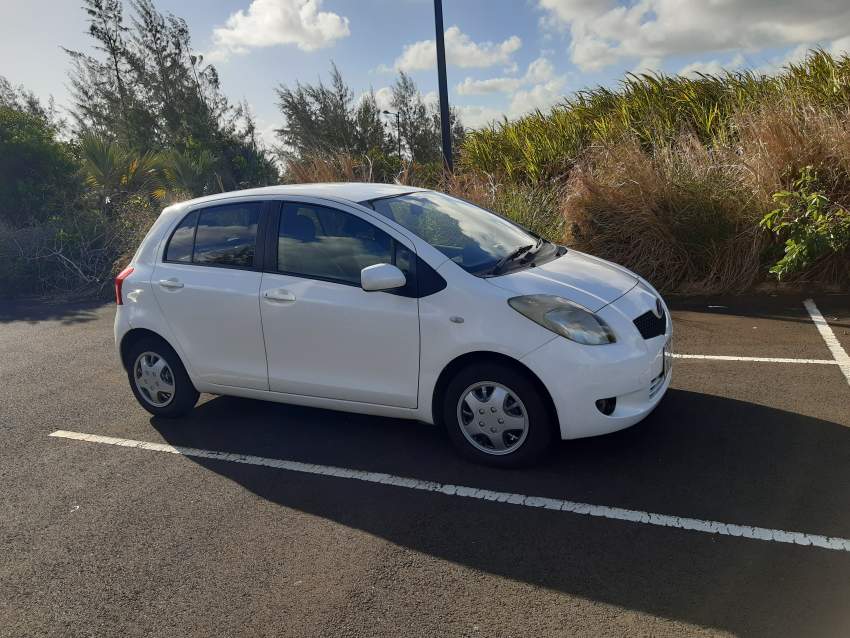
565, 318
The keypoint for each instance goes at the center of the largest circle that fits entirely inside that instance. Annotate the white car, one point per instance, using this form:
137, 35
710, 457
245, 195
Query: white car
393, 301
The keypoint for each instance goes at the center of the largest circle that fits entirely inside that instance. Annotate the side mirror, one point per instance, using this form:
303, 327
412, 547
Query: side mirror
381, 277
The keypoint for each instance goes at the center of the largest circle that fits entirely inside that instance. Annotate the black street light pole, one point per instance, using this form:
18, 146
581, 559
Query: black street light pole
397, 130
445, 122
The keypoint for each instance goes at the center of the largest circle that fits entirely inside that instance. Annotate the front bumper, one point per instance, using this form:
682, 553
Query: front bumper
633, 370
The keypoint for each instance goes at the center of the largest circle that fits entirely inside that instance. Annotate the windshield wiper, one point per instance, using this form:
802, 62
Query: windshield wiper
519, 252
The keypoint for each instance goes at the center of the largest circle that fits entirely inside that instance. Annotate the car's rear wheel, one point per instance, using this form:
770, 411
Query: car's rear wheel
158, 379
496, 415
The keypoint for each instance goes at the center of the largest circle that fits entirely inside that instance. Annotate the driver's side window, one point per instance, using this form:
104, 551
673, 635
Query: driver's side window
325, 243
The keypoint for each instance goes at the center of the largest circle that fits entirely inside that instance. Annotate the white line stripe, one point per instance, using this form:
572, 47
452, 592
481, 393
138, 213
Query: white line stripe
721, 357
829, 337
586, 509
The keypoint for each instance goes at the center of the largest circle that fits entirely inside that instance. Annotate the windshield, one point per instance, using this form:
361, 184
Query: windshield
475, 239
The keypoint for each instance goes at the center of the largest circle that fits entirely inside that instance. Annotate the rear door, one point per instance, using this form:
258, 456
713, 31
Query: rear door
207, 283
325, 336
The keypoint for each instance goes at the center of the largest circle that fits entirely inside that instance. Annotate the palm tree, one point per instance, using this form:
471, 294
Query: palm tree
189, 174
116, 173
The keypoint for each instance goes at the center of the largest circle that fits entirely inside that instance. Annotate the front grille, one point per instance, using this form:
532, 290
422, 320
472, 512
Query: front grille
651, 326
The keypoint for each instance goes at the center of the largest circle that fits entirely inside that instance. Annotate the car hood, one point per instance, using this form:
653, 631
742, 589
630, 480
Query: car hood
584, 279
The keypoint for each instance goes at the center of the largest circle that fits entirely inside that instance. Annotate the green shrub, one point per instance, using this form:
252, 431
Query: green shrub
77, 253
37, 172
812, 226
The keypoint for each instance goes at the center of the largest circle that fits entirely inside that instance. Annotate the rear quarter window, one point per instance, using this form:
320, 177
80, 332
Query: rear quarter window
217, 236
180, 245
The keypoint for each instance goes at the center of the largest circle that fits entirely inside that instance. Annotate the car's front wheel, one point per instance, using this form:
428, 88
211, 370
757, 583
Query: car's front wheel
158, 379
496, 415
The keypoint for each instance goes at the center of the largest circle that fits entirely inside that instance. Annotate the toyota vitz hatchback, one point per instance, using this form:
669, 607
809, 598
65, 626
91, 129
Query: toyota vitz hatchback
393, 301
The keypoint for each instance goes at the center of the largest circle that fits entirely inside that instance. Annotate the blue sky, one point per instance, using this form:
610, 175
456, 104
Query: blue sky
505, 56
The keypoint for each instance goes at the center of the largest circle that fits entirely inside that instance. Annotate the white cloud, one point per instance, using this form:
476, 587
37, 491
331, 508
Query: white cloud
540, 96
266, 133
478, 116
538, 72
460, 51
384, 98
491, 85
647, 65
712, 67
591, 53
567, 11
793, 56
276, 22
540, 88
603, 32
841, 46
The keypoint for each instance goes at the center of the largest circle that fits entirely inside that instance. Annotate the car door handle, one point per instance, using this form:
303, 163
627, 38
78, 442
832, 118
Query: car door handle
171, 284
279, 295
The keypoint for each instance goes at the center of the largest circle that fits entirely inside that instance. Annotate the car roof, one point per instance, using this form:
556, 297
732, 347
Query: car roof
347, 191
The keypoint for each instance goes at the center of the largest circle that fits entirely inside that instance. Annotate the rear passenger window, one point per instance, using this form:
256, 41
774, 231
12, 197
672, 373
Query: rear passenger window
227, 235
180, 246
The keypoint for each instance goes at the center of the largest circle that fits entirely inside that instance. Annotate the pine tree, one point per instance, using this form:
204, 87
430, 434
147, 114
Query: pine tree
149, 92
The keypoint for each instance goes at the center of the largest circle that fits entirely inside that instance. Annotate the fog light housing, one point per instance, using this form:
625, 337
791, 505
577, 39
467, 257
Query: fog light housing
607, 406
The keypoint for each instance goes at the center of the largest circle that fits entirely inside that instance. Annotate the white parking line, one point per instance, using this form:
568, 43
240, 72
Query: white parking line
829, 337
573, 507
721, 357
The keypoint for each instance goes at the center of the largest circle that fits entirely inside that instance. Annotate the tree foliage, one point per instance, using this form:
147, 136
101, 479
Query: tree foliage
326, 120
147, 90
37, 170
420, 123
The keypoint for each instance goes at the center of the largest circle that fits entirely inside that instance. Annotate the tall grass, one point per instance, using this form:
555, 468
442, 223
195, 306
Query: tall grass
669, 176
652, 111
684, 217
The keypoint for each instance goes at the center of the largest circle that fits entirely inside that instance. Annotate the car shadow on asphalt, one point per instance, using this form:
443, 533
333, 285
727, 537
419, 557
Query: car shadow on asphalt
698, 455
34, 311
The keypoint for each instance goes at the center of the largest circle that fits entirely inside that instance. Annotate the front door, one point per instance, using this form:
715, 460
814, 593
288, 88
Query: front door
208, 286
325, 336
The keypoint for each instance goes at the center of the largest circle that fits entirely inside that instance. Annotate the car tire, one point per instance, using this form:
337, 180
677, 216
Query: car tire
480, 405
158, 379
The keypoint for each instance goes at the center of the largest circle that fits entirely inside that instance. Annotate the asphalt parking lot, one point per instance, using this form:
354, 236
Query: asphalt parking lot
110, 538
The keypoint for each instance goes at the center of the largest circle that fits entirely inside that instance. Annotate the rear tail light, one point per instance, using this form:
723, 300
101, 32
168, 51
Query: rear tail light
119, 282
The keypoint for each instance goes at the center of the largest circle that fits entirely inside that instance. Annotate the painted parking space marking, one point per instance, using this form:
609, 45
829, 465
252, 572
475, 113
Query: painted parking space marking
835, 347
720, 357
573, 507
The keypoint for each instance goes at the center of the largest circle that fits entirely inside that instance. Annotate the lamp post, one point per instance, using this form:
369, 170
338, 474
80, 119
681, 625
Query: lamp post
397, 130
445, 123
